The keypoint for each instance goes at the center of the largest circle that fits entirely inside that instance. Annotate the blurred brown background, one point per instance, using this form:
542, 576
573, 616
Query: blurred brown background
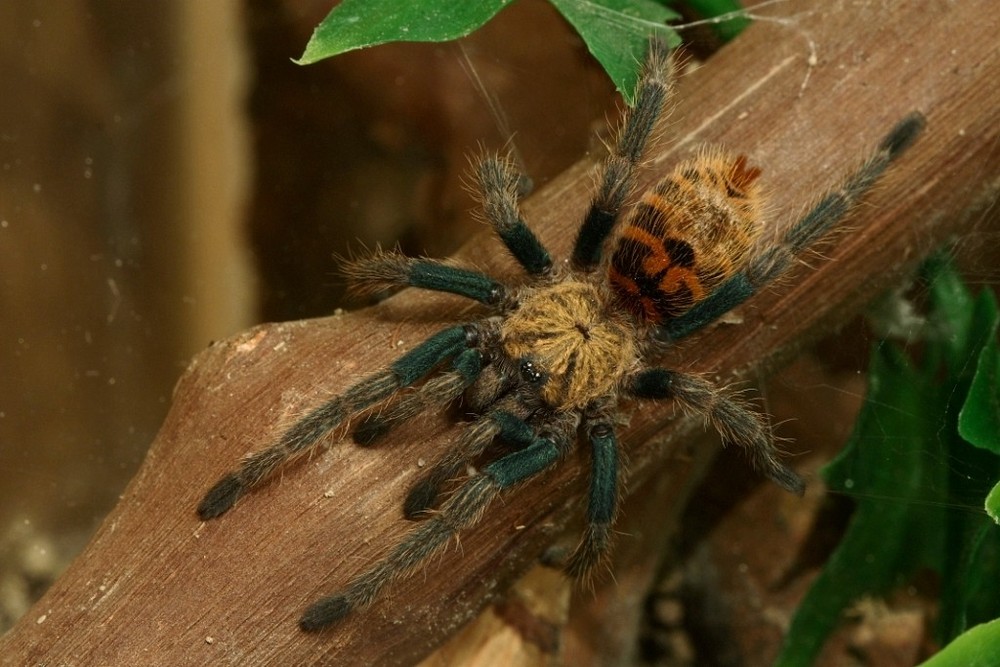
124, 152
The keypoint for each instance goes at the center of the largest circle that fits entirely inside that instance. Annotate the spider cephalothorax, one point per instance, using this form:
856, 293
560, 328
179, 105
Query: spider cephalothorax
552, 361
569, 333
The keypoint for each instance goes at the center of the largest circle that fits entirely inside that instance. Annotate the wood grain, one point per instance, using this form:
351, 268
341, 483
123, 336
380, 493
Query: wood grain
156, 586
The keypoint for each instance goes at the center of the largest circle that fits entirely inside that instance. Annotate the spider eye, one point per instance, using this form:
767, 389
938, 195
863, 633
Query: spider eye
530, 372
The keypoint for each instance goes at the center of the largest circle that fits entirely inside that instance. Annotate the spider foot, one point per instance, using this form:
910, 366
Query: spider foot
786, 478
591, 552
220, 497
904, 134
421, 498
371, 430
325, 613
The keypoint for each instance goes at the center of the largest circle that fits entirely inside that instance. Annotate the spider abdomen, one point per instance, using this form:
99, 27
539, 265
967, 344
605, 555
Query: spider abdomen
568, 334
686, 236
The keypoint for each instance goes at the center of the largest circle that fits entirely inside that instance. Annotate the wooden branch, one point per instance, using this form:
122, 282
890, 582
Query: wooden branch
157, 586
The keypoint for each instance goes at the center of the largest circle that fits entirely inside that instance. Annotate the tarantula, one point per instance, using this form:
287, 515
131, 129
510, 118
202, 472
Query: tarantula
551, 360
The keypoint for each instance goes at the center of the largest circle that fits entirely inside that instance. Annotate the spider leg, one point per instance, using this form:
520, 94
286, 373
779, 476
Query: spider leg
497, 380
505, 421
734, 421
440, 390
405, 371
817, 222
618, 170
384, 271
499, 185
834, 205
603, 499
727, 296
460, 511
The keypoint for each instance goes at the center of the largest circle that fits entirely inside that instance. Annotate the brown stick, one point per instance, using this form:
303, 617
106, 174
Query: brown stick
156, 586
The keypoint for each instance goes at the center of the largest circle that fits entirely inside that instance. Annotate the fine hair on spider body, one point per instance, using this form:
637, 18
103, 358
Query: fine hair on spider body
550, 361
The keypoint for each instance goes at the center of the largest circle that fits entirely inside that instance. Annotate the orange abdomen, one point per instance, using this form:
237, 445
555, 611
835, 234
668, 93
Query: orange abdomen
687, 235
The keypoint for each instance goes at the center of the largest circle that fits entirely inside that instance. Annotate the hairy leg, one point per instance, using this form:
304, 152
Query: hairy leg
383, 271
505, 421
499, 185
460, 511
438, 391
735, 422
598, 425
618, 171
405, 371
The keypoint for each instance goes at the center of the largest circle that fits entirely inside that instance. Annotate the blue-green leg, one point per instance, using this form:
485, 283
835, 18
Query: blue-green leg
618, 171
384, 271
499, 184
405, 371
436, 392
460, 511
834, 205
603, 498
506, 422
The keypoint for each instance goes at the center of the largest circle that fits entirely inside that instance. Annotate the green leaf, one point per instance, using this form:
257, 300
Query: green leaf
979, 647
953, 307
975, 578
979, 421
918, 483
874, 549
355, 24
617, 33
993, 503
